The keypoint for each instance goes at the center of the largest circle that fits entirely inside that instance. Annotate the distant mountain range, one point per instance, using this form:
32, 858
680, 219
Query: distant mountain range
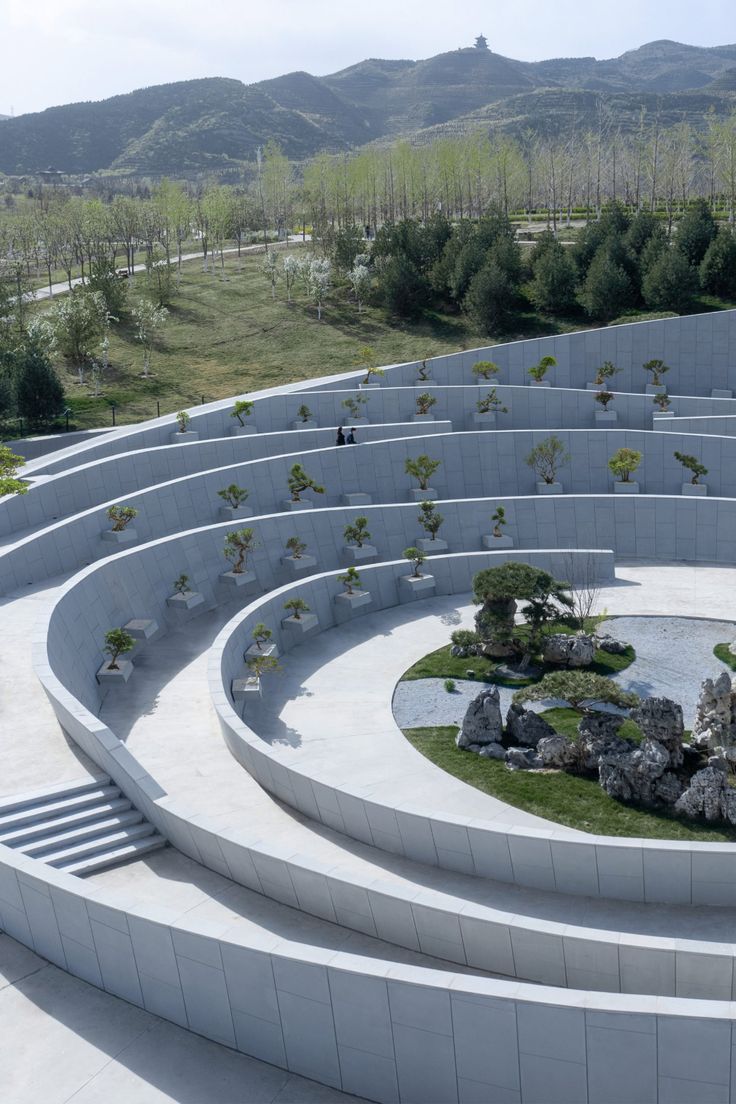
217, 123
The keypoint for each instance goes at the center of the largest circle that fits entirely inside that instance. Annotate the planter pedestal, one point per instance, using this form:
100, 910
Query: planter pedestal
427, 495
107, 677
549, 488
695, 490
353, 601
660, 415
369, 386
297, 565
186, 601
355, 422
357, 555
625, 486
721, 393
235, 513
123, 536
497, 543
357, 498
237, 579
425, 383
265, 650
411, 586
299, 424
422, 417
656, 389
306, 623
141, 629
246, 689
484, 421
243, 431
541, 383
184, 438
302, 504
426, 544
606, 417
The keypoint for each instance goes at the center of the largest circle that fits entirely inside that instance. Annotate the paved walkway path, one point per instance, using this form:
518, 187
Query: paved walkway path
65, 1041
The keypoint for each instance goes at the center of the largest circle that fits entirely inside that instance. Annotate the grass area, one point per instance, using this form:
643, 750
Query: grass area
564, 798
565, 721
441, 664
723, 652
226, 334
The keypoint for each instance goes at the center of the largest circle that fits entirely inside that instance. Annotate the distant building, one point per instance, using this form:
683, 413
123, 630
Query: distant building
51, 175
481, 42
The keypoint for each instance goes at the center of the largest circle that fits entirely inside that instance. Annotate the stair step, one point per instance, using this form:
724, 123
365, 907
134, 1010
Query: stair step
19, 836
108, 842
69, 838
120, 855
50, 793
58, 807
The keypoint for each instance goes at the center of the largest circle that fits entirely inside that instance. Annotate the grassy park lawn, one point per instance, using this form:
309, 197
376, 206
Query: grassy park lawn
564, 798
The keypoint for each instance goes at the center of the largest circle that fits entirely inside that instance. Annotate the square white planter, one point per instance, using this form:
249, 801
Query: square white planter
265, 650
306, 623
107, 677
302, 504
298, 564
426, 544
625, 486
484, 421
141, 629
354, 600
497, 543
422, 417
243, 431
246, 689
549, 488
186, 601
656, 388
541, 383
357, 498
425, 383
235, 513
606, 417
412, 587
695, 490
721, 393
355, 422
299, 424
184, 438
369, 386
429, 494
237, 579
357, 555
124, 536
659, 415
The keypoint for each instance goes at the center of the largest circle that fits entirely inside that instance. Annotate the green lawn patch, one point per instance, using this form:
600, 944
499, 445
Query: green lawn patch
564, 798
721, 651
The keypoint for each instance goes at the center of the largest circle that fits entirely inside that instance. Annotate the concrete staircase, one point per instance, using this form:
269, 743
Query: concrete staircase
80, 828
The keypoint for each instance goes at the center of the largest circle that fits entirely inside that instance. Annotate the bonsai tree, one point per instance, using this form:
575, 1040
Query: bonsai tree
546, 457
304, 413
354, 405
296, 547
296, 607
491, 404
539, 371
183, 419
117, 643
237, 546
498, 519
692, 464
604, 398
623, 463
582, 690
606, 371
240, 410
421, 468
425, 402
416, 558
498, 589
484, 369
357, 532
261, 665
299, 481
121, 517
423, 369
662, 400
181, 585
261, 635
365, 359
234, 495
657, 369
350, 580
429, 519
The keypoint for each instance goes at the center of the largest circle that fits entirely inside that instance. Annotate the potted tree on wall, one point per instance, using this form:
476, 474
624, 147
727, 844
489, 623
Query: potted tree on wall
545, 459
261, 642
184, 434
296, 559
422, 468
121, 531
300, 618
234, 498
424, 404
622, 466
418, 582
497, 539
486, 409
353, 594
357, 536
662, 403
299, 482
365, 359
251, 687
184, 598
692, 464
423, 375
355, 406
304, 418
656, 369
238, 546
603, 374
604, 416
431, 521
115, 670
241, 410
484, 370
538, 372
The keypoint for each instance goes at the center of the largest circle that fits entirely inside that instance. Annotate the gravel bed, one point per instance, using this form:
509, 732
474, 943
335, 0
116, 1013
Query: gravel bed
673, 656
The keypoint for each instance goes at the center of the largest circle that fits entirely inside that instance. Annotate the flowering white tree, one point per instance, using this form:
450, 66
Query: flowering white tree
149, 318
271, 270
318, 286
360, 282
290, 273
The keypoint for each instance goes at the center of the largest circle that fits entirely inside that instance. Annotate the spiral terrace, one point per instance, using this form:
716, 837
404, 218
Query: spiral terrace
290, 878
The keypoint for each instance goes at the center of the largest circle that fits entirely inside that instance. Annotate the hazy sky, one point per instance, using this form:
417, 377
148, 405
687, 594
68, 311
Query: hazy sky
60, 51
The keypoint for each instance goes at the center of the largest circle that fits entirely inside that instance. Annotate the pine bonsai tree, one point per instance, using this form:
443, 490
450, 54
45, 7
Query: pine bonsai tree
354, 405
582, 690
422, 469
241, 409
296, 606
183, 419
350, 580
261, 635
546, 457
657, 368
296, 547
121, 517
304, 413
234, 495
356, 532
238, 545
429, 519
539, 371
623, 463
485, 369
425, 402
498, 519
692, 464
604, 398
606, 371
117, 643
181, 585
260, 665
491, 404
416, 558
299, 481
